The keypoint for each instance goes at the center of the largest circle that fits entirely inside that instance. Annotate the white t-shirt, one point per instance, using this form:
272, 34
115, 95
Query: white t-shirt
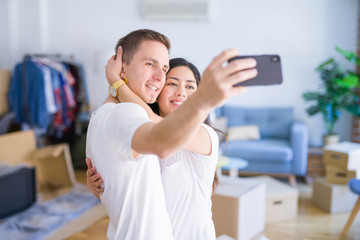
133, 193
187, 179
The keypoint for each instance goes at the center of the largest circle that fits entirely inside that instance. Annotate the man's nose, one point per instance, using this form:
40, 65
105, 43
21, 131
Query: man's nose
160, 74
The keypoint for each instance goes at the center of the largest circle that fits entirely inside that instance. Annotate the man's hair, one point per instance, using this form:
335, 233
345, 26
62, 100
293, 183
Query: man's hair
132, 41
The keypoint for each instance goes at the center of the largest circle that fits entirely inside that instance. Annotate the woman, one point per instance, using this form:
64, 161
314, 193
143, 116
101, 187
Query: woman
188, 175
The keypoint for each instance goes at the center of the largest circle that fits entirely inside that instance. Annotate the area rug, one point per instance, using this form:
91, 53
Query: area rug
44, 219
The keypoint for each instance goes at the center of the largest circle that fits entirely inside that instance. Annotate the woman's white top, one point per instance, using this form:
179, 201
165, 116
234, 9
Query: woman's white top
187, 179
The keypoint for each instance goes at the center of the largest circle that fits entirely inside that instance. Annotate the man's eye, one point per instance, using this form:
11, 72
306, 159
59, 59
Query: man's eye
165, 70
150, 64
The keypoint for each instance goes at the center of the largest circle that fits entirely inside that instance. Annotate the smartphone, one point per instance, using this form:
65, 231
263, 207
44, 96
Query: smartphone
269, 70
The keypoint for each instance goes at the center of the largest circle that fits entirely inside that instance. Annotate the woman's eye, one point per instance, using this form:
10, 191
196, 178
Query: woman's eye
172, 84
191, 87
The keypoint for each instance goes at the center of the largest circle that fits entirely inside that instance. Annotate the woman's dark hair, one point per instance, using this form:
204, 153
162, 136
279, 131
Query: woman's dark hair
181, 62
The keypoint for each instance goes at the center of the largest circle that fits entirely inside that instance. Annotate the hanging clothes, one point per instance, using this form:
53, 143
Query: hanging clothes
48, 94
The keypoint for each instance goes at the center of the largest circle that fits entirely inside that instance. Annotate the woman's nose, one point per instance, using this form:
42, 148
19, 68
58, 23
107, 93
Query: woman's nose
181, 92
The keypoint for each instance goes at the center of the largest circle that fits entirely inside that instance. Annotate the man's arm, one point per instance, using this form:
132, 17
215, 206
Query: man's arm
175, 131
200, 143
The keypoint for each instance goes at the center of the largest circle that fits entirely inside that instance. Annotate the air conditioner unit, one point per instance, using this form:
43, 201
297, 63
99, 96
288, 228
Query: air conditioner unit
176, 10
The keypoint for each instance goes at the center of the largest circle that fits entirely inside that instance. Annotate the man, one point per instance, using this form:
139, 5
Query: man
124, 137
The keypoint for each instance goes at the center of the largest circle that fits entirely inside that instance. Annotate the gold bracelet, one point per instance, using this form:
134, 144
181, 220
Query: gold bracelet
113, 89
118, 84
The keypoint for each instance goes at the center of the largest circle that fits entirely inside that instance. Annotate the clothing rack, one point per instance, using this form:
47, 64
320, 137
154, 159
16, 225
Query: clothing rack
70, 57
57, 56
48, 93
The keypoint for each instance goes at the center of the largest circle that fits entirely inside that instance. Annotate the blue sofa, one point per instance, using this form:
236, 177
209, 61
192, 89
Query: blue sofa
283, 145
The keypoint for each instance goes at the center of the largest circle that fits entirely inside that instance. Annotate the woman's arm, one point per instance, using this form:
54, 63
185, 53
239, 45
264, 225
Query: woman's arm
200, 143
93, 179
126, 95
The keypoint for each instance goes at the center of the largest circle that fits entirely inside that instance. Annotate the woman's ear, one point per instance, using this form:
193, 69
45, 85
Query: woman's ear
122, 73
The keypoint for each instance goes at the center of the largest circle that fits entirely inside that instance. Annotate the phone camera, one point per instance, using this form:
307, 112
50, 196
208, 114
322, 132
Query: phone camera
275, 59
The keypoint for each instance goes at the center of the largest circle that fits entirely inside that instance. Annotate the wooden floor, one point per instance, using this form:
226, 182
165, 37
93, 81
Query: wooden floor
311, 224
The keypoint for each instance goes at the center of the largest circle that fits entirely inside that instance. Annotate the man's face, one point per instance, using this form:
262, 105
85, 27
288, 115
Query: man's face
147, 69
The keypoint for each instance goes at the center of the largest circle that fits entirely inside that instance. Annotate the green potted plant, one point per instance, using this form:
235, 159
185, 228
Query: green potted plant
336, 93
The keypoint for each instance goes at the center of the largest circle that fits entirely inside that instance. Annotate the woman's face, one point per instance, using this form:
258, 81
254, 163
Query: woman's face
179, 85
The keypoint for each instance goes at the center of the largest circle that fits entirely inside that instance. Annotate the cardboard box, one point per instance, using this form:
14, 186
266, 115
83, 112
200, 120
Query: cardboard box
53, 164
4, 104
345, 155
340, 176
281, 200
5, 76
238, 208
331, 197
54, 167
17, 147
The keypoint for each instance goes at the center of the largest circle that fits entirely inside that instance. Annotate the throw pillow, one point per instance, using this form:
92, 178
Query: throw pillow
220, 123
245, 132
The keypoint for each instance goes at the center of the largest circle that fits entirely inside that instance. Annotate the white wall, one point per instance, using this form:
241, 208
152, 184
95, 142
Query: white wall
303, 32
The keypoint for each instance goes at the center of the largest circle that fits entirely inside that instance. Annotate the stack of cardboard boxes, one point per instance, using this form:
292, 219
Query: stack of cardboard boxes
54, 177
54, 170
342, 162
281, 200
238, 208
242, 206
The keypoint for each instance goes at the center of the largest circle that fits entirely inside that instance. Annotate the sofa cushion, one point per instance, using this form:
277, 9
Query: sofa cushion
273, 122
264, 150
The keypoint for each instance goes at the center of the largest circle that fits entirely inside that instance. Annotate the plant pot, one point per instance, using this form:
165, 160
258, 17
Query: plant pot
330, 139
